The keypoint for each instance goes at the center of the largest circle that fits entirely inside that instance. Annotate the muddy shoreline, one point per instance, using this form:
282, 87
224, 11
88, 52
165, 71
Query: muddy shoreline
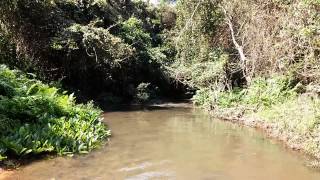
272, 133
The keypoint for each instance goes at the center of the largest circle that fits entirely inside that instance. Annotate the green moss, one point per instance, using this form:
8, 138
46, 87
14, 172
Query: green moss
36, 118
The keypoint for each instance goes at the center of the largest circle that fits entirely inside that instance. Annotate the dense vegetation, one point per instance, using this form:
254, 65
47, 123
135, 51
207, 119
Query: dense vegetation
109, 51
37, 118
245, 59
256, 61
102, 49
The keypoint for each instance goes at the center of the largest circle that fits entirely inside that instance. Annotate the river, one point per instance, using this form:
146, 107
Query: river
176, 143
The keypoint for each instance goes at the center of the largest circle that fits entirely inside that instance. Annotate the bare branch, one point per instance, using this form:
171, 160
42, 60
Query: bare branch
236, 44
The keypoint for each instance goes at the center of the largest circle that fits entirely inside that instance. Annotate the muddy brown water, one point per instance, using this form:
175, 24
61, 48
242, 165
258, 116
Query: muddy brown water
176, 143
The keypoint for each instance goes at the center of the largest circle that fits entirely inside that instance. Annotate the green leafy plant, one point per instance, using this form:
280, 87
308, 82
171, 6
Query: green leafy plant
267, 92
37, 118
145, 92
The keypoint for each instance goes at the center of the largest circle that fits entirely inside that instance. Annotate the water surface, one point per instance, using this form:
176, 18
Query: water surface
176, 143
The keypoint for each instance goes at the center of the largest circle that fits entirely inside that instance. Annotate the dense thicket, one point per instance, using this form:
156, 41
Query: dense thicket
108, 50
235, 41
254, 60
103, 48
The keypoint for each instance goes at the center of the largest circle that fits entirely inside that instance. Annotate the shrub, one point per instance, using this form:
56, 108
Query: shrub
267, 92
133, 33
36, 118
203, 97
261, 93
145, 92
228, 99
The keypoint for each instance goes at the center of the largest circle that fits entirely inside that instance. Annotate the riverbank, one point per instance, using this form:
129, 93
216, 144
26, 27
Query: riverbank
267, 128
290, 122
176, 143
280, 105
294, 122
272, 132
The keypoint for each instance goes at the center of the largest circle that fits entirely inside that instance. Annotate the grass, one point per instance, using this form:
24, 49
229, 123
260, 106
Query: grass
36, 118
276, 102
297, 120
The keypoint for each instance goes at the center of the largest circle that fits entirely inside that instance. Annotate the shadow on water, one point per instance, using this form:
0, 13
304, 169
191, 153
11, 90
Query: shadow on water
163, 105
130, 108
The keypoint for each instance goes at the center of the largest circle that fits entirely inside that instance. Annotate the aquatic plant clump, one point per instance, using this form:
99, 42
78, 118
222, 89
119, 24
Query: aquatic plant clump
36, 118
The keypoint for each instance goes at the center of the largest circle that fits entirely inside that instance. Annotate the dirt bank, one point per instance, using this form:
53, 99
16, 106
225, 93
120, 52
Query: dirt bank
271, 130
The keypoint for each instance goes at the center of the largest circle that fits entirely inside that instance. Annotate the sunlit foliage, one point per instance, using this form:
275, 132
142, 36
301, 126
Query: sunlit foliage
36, 118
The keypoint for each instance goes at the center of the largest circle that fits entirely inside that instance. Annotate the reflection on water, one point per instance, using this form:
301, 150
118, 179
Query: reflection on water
176, 143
